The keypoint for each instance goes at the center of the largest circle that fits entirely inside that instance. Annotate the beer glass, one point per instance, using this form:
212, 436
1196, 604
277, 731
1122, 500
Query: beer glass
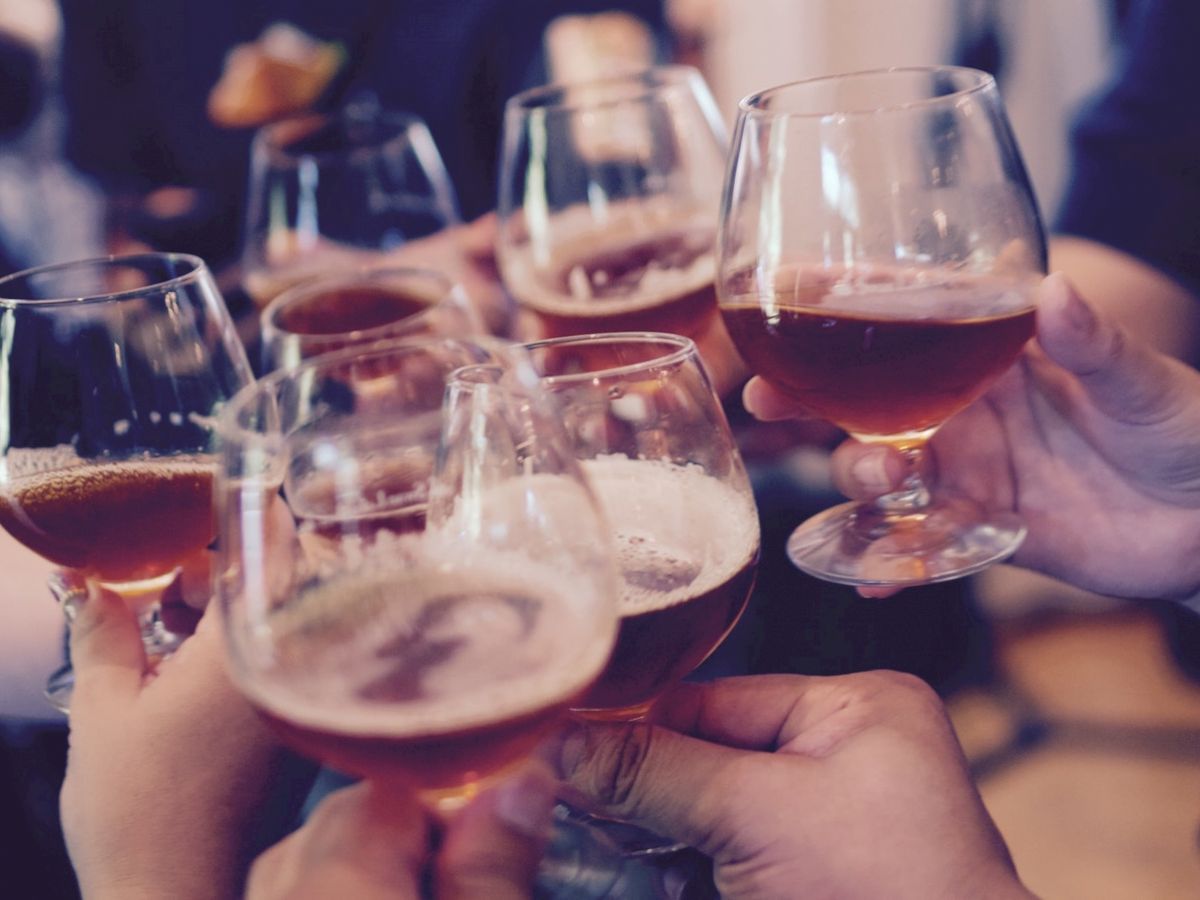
111, 374
880, 249
338, 191
336, 311
653, 440
416, 587
608, 200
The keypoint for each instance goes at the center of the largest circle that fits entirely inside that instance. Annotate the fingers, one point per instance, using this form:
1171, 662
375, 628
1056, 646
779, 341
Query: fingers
1125, 379
768, 403
361, 842
668, 782
492, 848
106, 653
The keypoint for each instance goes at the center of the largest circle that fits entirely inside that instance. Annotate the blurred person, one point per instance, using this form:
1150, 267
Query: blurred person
143, 115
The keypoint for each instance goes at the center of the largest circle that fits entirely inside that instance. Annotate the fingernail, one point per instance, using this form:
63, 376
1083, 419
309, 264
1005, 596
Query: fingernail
525, 801
870, 471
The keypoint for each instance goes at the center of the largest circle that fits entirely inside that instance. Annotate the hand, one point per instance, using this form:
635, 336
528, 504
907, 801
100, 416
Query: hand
1092, 437
851, 786
169, 773
366, 842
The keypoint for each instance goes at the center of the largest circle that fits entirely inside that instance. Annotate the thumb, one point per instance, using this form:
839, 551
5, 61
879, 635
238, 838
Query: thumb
1125, 379
106, 652
493, 846
675, 785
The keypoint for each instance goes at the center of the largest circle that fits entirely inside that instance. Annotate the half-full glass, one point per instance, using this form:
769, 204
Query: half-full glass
880, 249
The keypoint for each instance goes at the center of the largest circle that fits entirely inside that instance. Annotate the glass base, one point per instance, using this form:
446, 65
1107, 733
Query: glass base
861, 544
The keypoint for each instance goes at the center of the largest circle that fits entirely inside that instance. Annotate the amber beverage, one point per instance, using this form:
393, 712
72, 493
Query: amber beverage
119, 522
685, 580
659, 283
885, 355
431, 679
350, 308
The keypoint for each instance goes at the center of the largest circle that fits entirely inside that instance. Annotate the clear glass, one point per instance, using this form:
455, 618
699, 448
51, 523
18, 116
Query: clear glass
332, 312
112, 372
338, 191
652, 438
415, 578
880, 249
608, 199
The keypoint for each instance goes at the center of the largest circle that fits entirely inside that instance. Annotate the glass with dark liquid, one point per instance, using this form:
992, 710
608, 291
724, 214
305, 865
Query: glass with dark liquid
607, 195
654, 443
880, 251
116, 369
340, 310
418, 587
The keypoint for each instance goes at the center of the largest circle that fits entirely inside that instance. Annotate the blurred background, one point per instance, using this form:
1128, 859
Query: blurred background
128, 124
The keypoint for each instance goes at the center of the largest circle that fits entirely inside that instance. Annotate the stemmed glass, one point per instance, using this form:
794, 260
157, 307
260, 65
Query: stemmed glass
332, 312
336, 192
653, 441
880, 248
111, 374
414, 591
608, 198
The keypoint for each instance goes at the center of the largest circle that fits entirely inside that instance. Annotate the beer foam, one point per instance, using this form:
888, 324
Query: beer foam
59, 472
430, 649
535, 281
680, 531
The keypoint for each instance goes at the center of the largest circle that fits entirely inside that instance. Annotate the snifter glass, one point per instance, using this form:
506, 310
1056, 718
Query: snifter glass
337, 191
608, 199
112, 372
344, 309
880, 249
653, 441
416, 580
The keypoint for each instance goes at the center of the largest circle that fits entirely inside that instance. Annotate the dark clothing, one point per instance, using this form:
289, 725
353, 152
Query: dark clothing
1135, 182
137, 74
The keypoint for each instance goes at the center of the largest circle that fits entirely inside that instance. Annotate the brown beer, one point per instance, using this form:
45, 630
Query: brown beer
434, 679
663, 282
339, 310
117, 522
687, 548
885, 355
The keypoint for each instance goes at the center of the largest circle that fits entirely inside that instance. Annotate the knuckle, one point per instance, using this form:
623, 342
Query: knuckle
617, 761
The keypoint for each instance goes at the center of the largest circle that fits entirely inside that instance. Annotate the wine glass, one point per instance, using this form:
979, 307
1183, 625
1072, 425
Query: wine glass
880, 250
414, 592
608, 200
653, 440
338, 191
332, 312
111, 373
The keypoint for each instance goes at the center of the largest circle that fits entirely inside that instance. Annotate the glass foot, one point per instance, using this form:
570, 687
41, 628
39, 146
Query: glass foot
860, 544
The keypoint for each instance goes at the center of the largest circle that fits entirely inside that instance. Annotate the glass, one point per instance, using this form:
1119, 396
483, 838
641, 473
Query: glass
336, 311
653, 441
608, 200
337, 191
111, 373
880, 250
414, 591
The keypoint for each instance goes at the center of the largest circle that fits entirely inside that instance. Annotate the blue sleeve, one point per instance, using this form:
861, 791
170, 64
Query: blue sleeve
1135, 182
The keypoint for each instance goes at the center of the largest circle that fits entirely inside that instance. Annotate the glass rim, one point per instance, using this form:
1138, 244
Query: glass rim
197, 269
401, 127
671, 75
685, 348
302, 290
751, 104
228, 425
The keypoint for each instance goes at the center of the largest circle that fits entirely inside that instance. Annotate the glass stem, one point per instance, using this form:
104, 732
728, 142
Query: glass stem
913, 496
